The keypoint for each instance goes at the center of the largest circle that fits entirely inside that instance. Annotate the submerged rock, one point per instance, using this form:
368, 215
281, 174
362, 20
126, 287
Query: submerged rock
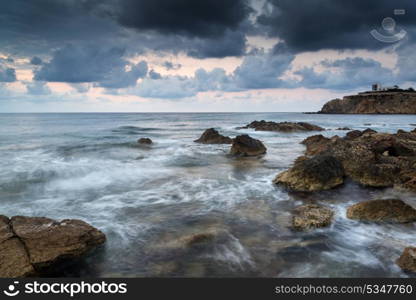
407, 261
212, 136
282, 126
31, 245
321, 172
145, 141
244, 145
343, 128
390, 210
311, 216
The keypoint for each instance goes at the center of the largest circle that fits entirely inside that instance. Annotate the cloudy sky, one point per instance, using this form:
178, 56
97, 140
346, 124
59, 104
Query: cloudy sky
187, 55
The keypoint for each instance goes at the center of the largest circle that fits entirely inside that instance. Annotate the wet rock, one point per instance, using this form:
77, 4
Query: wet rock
212, 136
343, 128
316, 144
353, 134
390, 210
244, 145
407, 261
14, 260
311, 216
283, 126
321, 172
31, 245
145, 141
370, 158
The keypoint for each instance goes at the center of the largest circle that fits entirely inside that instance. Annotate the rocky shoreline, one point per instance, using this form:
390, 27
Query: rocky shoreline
373, 103
33, 246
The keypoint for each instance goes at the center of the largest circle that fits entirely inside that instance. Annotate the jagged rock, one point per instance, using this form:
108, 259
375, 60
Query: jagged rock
371, 158
311, 216
30, 245
282, 126
390, 210
353, 134
407, 261
145, 141
321, 172
244, 145
373, 103
212, 136
14, 260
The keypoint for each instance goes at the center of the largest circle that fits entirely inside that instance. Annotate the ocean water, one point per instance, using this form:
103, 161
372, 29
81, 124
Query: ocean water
147, 200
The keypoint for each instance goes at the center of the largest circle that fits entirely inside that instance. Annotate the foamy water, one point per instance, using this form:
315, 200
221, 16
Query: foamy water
89, 166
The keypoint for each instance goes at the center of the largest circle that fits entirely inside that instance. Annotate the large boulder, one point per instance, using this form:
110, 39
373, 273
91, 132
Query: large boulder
282, 126
212, 136
371, 158
321, 172
407, 261
311, 216
244, 145
390, 210
32, 245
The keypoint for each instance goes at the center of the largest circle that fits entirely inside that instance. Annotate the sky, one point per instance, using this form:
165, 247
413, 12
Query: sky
200, 56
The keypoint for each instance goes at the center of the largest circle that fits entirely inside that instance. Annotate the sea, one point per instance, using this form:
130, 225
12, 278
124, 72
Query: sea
150, 201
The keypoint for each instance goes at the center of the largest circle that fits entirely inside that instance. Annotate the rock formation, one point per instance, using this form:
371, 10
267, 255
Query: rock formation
321, 172
311, 216
407, 261
244, 145
373, 103
29, 246
369, 158
390, 210
212, 136
145, 141
282, 126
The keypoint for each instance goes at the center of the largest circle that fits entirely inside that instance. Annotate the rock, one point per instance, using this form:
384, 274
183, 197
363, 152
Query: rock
390, 210
353, 134
212, 136
321, 172
244, 145
282, 126
407, 261
316, 144
14, 260
371, 158
373, 103
145, 141
32, 245
311, 216
343, 128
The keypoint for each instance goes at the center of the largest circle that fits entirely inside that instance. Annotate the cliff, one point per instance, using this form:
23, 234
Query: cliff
373, 103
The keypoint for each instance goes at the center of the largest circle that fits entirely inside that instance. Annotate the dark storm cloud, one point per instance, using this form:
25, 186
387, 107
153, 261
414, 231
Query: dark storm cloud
185, 17
104, 66
346, 74
335, 24
198, 28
